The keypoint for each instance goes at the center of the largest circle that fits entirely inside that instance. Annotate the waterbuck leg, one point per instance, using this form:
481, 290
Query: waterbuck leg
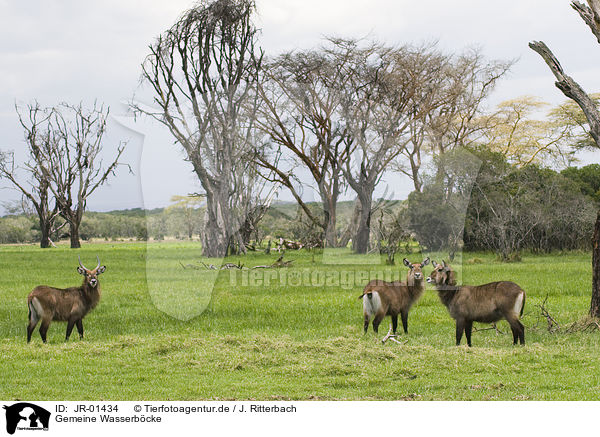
30, 329
70, 325
404, 317
394, 323
460, 326
44, 329
521, 333
79, 324
376, 321
34, 318
518, 330
468, 330
31, 326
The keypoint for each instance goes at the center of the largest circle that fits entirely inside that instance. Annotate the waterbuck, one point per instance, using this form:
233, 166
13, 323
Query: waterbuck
393, 298
486, 303
69, 305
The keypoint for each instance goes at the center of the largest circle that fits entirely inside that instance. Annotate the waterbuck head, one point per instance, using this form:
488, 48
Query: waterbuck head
416, 270
442, 275
90, 277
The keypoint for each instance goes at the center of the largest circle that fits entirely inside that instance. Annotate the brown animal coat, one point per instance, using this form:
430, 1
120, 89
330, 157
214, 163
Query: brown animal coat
382, 298
487, 303
66, 305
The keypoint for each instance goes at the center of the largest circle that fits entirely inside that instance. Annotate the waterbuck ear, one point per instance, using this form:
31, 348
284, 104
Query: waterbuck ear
444, 264
425, 262
81, 271
434, 264
101, 269
450, 278
447, 279
407, 263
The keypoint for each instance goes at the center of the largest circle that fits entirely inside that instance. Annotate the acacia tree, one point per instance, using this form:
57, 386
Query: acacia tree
203, 72
188, 206
590, 14
523, 140
300, 116
380, 101
29, 179
454, 101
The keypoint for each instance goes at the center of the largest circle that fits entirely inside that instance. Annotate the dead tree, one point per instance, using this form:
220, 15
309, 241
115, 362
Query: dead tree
590, 14
28, 178
73, 161
203, 73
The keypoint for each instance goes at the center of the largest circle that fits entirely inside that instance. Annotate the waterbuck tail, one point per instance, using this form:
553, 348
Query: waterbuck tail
522, 306
35, 310
372, 304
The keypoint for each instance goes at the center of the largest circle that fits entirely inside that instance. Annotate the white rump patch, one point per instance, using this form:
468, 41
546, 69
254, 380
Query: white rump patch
371, 306
518, 304
37, 307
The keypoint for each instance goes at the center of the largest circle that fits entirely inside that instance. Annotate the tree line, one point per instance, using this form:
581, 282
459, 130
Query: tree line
508, 210
333, 120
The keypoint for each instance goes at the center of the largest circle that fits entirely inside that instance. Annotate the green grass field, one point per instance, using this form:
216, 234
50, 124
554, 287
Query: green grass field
298, 338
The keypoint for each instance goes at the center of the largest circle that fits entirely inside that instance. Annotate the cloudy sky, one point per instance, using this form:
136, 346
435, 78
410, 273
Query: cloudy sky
82, 50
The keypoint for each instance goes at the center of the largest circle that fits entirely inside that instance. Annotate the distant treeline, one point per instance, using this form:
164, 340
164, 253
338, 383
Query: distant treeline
507, 209
158, 224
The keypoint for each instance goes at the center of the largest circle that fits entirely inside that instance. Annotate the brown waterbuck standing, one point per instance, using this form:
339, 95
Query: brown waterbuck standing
486, 303
382, 298
69, 305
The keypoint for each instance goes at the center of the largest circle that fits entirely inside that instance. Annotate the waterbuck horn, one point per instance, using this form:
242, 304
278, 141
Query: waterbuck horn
80, 264
98, 266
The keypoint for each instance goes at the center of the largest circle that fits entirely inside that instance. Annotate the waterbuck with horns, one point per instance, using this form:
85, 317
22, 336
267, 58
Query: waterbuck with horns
382, 298
487, 303
66, 305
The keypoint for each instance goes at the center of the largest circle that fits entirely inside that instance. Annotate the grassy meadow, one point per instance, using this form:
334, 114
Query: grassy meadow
161, 333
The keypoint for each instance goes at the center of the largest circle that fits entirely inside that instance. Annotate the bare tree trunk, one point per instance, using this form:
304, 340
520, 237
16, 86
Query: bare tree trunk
571, 89
214, 243
352, 227
595, 304
74, 231
360, 244
46, 228
330, 229
215, 238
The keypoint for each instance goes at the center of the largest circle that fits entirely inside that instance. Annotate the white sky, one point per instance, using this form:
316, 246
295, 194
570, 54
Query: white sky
73, 50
